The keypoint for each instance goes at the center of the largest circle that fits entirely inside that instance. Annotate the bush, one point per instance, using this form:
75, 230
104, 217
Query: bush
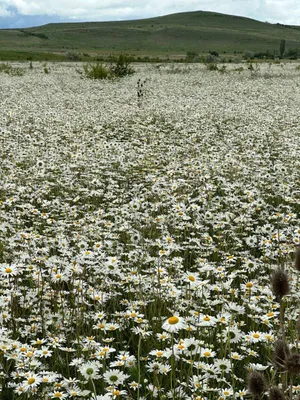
191, 56
212, 67
10, 70
210, 58
96, 71
71, 56
120, 66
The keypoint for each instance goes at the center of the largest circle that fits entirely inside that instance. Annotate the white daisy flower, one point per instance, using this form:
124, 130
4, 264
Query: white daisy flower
174, 324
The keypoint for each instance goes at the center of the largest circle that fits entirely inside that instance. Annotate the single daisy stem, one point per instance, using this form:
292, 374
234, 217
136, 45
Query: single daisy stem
94, 388
139, 366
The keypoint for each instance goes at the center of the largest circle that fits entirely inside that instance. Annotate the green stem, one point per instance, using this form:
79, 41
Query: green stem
139, 366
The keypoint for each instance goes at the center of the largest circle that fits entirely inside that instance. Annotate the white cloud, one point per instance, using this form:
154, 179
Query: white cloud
283, 11
4, 12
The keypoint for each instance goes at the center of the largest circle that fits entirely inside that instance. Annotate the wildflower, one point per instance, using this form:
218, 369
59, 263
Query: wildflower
256, 337
256, 367
207, 353
223, 365
8, 270
31, 381
292, 363
115, 377
276, 394
134, 385
236, 356
174, 324
280, 283
226, 392
256, 384
281, 352
89, 370
242, 393
206, 320
58, 395
297, 259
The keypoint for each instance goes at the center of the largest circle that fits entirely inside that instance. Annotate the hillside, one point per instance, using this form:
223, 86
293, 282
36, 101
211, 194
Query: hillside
170, 35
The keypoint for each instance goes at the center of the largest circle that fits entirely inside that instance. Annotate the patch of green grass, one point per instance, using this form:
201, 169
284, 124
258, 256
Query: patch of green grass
169, 35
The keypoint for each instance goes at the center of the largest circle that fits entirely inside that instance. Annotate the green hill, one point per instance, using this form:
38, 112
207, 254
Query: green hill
170, 35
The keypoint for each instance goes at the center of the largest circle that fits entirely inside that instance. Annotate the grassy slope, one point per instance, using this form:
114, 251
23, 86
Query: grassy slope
172, 34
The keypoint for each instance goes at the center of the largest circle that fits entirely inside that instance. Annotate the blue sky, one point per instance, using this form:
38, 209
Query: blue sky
25, 13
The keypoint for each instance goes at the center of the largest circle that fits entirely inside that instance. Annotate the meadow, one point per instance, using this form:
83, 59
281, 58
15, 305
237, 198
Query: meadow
139, 235
167, 36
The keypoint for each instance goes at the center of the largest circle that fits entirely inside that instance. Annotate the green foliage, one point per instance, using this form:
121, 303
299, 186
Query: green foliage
292, 54
120, 65
212, 67
46, 69
192, 56
96, 71
10, 70
177, 69
36, 34
72, 56
171, 34
282, 47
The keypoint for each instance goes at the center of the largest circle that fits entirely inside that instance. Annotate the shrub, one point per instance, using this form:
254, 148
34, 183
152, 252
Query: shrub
210, 58
212, 67
191, 56
71, 56
96, 71
120, 66
10, 70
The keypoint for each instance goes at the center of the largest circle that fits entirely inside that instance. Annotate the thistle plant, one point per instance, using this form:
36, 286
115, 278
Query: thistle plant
140, 91
286, 358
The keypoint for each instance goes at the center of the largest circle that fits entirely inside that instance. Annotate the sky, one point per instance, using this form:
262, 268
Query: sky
26, 13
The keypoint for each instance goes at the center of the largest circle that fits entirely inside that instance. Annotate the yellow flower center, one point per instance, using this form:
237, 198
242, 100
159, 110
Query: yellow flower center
8, 270
207, 353
206, 318
249, 285
173, 320
30, 381
256, 335
192, 278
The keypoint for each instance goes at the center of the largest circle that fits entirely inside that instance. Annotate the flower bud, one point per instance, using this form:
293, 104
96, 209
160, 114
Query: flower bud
280, 283
281, 352
276, 394
292, 363
256, 383
297, 259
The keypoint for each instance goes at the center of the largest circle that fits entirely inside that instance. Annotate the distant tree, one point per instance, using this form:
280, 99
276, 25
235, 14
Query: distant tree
282, 47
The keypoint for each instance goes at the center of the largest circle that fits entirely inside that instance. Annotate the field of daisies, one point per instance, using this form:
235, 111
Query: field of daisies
139, 234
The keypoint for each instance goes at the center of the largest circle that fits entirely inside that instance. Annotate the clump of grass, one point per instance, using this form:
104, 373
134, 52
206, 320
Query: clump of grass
176, 69
121, 66
212, 67
118, 68
10, 70
96, 71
